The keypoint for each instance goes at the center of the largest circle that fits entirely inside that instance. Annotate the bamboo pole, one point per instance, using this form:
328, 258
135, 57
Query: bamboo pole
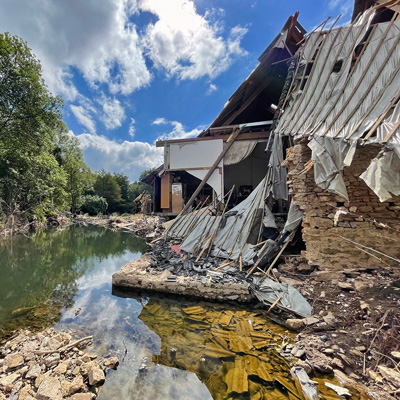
276, 258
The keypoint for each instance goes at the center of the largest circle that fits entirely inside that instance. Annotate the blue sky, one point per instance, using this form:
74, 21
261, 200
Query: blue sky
131, 71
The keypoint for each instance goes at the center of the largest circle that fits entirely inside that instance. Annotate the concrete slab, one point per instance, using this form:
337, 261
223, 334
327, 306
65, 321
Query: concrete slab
135, 275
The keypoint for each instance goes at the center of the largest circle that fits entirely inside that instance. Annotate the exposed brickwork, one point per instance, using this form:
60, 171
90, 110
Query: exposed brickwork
325, 247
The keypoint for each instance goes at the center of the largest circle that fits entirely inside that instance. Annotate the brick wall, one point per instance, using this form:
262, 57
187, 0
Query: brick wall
324, 244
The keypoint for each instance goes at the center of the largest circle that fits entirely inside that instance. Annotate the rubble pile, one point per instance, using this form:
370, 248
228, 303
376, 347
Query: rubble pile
50, 366
167, 257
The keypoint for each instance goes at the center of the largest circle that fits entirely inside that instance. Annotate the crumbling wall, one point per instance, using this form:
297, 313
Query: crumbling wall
324, 241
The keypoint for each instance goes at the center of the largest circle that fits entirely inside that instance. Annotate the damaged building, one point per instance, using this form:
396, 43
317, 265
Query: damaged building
312, 134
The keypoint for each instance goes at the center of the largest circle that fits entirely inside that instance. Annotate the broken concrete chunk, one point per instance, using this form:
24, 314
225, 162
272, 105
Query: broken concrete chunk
310, 321
34, 372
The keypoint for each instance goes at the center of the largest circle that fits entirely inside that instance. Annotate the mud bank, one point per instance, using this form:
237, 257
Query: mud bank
142, 274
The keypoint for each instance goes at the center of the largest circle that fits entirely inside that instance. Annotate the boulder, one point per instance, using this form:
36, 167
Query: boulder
111, 362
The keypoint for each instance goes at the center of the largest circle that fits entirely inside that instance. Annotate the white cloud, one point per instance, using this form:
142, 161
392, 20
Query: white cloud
113, 113
184, 43
178, 130
84, 117
128, 157
132, 129
94, 37
211, 88
100, 41
159, 121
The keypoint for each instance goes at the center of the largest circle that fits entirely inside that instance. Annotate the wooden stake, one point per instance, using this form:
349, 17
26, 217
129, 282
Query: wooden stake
204, 249
277, 257
240, 264
274, 304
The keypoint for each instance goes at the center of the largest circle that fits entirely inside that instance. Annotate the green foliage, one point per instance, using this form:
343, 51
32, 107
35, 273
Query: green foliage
138, 187
107, 186
41, 166
93, 204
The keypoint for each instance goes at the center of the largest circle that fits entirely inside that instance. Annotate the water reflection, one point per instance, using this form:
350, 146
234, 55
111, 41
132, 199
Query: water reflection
222, 352
40, 273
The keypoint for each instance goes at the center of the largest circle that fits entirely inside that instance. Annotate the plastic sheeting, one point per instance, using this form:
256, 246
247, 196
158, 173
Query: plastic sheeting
383, 175
294, 218
330, 156
239, 151
277, 176
267, 290
343, 100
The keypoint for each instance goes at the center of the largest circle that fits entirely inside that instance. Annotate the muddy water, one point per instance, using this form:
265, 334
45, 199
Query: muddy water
170, 349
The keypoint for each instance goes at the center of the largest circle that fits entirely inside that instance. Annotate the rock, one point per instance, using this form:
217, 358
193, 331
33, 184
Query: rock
305, 267
61, 368
13, 360
33, 372
310, 321
329, 318
26, 393
307, 367
295, 324
7, 382
362, 349
337, 363
111, 362
51, 360
329, 351
390, 374
395, 355
82, 396
96, 376
77, 384
66, 388
365, 307
298, 353
39, 380
345, 285
49, 389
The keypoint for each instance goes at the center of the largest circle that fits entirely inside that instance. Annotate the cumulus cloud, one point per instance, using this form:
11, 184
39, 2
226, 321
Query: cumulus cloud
101, 41
343, 7
84, 117
94, 37
178, 131
184, 43
113, 113
128, 157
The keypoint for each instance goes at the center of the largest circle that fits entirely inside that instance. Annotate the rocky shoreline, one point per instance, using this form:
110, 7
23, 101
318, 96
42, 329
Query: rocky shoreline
51, 365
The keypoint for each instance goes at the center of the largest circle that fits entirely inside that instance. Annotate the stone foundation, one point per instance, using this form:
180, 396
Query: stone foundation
363, 223
135, 276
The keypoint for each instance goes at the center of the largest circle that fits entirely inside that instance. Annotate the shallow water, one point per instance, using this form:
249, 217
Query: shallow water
170, 349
